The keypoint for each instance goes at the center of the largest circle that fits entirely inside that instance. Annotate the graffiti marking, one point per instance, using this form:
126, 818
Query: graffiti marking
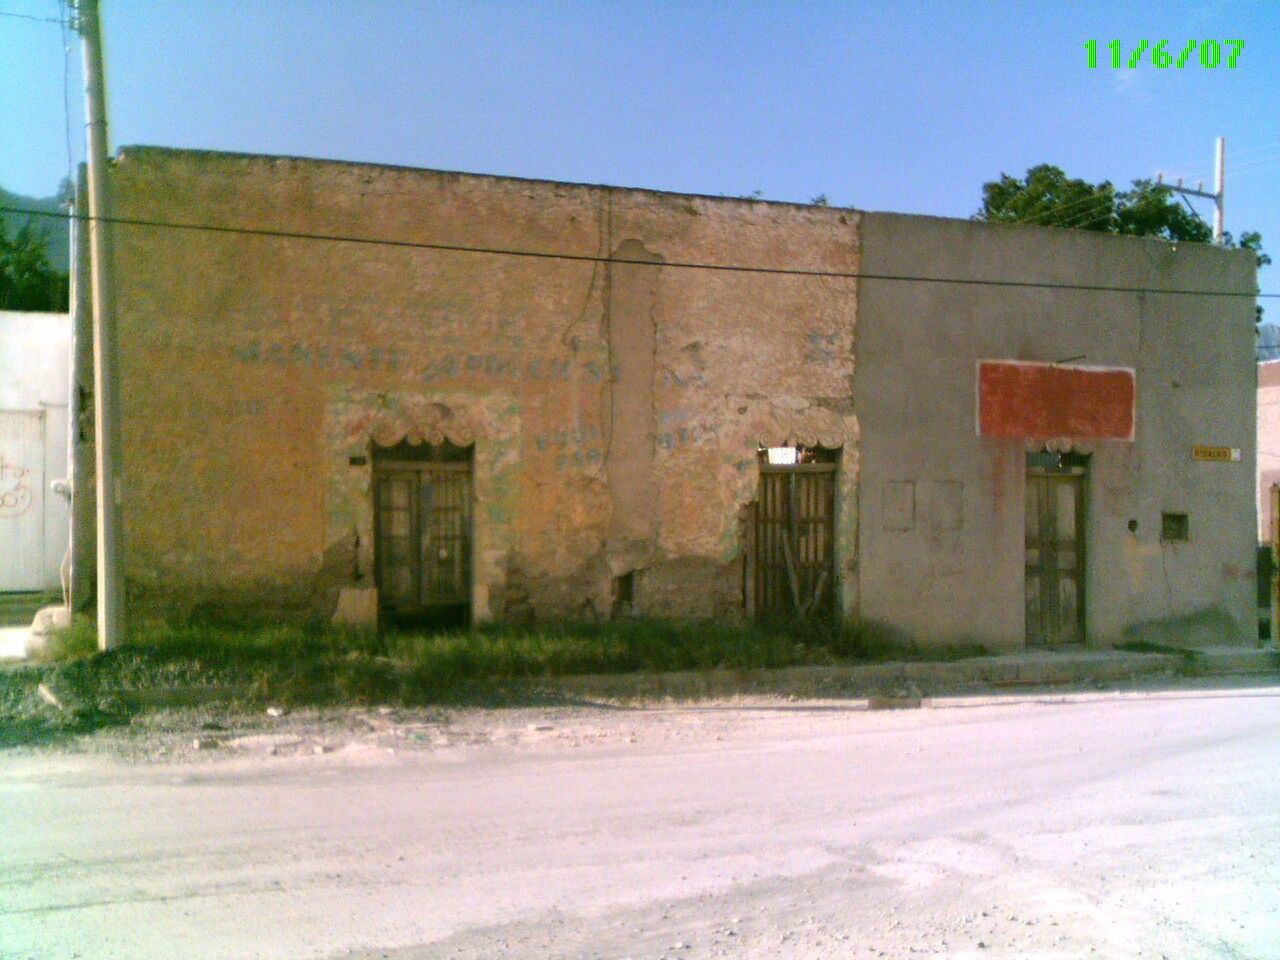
16, 497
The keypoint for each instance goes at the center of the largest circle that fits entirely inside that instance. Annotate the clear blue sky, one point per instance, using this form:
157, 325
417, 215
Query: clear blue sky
880, 105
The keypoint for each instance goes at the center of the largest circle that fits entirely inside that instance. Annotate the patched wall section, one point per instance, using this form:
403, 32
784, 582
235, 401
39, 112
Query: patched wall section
615, 407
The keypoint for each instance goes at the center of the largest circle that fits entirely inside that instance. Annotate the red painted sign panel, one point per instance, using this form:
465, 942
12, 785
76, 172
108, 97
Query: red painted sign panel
1018, 400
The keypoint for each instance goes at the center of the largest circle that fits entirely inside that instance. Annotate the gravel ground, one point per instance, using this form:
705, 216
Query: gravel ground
1137, 824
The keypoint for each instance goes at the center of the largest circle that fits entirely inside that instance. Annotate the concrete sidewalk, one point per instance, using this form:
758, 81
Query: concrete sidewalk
1041, 668
13, 642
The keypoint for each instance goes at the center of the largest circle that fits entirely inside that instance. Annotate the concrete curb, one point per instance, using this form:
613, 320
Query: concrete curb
914, 678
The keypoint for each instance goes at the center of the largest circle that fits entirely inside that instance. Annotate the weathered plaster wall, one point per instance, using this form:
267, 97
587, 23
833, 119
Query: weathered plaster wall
944, 576
615, 408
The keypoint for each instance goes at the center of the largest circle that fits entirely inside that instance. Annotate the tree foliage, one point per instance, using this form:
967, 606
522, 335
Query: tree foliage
27, 281
1048, 197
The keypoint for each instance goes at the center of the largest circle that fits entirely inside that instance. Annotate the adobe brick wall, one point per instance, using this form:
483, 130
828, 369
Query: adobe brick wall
615, 410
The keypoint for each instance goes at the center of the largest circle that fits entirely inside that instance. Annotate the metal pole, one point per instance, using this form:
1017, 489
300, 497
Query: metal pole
1219, 188
106, 415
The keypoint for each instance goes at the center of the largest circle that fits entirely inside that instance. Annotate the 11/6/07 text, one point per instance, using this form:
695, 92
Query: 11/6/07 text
1164, 56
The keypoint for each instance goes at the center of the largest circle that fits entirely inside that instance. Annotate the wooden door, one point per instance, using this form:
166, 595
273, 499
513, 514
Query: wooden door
793, 574
424, 536
1055, 556
21, 500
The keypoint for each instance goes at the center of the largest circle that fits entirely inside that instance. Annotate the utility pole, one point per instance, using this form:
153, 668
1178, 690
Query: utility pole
1219, 188
80, 407
106, 412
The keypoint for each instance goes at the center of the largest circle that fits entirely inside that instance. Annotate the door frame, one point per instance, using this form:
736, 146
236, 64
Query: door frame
389, 463
827, 599
1075, 467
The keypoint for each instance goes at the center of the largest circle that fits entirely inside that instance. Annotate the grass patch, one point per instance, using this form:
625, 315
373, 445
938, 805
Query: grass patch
1147, 646
76, 642
1190, 666
492, 664
17, 609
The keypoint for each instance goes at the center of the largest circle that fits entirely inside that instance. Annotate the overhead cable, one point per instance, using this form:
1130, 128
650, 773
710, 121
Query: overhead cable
596, 258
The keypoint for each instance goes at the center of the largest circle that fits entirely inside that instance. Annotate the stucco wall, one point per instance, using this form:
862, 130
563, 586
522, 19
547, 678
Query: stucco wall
615, 409
918, 345
34, 363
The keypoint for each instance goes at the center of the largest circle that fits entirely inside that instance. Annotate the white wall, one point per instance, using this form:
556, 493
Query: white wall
34, 370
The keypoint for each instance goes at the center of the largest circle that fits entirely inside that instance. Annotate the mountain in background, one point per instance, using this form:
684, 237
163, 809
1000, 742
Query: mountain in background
57, 231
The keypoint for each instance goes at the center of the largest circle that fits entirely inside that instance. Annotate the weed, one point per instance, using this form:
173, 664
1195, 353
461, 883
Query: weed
328, 665
76, 641
1147, 646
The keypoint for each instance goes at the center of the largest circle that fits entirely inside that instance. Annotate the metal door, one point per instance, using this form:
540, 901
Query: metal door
1055, 548
793, 573
21, 500
424, 535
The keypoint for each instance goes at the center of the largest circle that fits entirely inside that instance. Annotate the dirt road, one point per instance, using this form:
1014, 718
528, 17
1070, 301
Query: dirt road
1144, 825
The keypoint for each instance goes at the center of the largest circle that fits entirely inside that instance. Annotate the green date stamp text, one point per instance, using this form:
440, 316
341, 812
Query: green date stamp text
1163, 57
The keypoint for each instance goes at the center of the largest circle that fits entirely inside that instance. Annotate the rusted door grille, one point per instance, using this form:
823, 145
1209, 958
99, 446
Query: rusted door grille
424, 535
793, 542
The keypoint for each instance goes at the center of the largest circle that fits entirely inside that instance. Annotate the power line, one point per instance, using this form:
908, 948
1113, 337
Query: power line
66, 97
1263, 161
595, 258
1054, 212
25, 16
1257, 171
1256, 148
1087, 216
1059, 216
1050, 212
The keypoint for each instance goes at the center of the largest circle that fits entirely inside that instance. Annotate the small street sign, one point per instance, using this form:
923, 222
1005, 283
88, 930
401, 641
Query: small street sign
1217, 454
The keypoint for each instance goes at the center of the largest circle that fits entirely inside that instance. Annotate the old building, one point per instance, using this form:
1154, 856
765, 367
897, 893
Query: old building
1053, 461
376, 391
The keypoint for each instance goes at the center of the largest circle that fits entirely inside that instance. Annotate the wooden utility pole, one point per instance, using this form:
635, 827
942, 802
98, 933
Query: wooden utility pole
106, 411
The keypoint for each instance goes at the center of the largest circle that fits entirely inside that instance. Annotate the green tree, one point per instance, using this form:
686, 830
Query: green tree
27, 281
1048, 197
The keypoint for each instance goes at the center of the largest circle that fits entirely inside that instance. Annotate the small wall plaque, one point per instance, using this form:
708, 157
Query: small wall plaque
1216, 454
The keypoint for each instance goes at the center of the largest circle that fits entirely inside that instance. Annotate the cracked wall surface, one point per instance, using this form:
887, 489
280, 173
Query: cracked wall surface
615, 407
